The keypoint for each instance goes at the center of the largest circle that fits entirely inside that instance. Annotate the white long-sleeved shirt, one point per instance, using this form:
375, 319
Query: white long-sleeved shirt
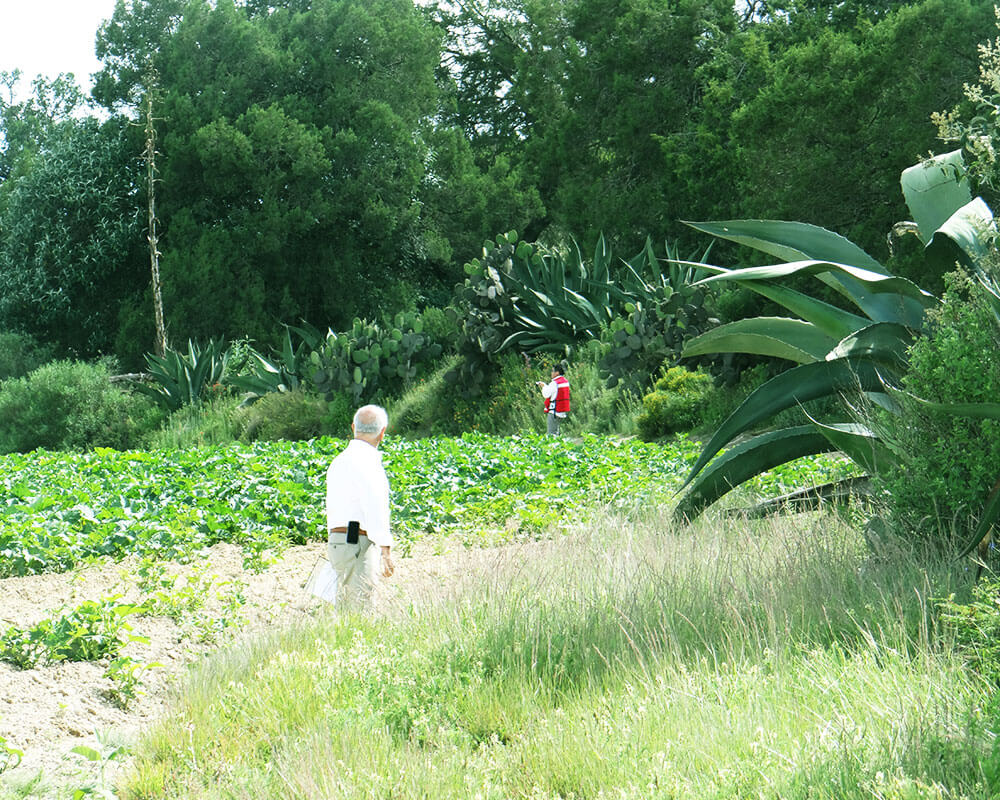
358, 489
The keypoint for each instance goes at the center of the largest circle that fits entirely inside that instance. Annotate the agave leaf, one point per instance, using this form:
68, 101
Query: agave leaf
792, 387
833, 321
934, 189
778, 337
749, 459
976, 410
990, 515
883, 298
811, 497
965, 236
791, 241
859, 444
883, 342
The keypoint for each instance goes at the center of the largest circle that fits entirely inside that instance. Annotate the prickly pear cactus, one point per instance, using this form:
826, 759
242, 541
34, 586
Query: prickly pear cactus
369, 361
652, 333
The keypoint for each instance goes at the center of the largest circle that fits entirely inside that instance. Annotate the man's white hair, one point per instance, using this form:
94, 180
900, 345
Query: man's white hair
370, 420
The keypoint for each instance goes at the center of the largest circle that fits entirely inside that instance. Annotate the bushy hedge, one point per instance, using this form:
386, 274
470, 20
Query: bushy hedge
950, 463
72, 405
676, 403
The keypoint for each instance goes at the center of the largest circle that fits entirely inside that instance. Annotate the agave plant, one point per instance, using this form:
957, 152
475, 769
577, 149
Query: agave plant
526, 297
838, 351
283, 371
180, 379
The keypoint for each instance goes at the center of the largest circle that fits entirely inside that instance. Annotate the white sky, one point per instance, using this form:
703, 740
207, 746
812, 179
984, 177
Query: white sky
51, 36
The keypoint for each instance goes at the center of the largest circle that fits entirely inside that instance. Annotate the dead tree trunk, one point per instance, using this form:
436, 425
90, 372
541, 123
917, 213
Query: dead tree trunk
160, 344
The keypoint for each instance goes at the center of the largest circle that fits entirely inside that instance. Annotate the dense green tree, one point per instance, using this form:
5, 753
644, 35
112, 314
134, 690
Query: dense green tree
24, 123
834, 120
71, 244
299, 178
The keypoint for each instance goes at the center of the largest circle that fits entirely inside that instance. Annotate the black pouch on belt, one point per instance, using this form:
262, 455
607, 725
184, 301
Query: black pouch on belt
353, 531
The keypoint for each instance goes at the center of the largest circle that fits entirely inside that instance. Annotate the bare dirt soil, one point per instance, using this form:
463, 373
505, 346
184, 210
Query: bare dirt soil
48, 710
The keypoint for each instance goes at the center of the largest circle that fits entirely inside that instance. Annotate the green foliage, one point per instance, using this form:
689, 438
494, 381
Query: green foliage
839, 353
669, 310
425, 408
211, 423
975, 124
293, 415
72, 405
10, 756
291, 156
60, 509
182, 379
948, 463
532, 299
676, 402
806, 120
369, 361
258, 375
91, 631
20, 354
125, 674
71, 249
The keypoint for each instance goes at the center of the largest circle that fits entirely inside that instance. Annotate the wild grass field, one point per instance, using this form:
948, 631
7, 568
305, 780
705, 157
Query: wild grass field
627, 659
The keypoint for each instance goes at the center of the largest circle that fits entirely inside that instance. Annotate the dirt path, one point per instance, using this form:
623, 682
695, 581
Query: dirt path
48, 710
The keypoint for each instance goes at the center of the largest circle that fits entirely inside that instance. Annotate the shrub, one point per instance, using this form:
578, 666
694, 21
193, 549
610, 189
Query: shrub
293, 416
425, 408
948, 462
20, 354
211, 423
72, 405
676, 402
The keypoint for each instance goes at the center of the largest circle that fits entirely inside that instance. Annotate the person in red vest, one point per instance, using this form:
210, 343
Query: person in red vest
556, 394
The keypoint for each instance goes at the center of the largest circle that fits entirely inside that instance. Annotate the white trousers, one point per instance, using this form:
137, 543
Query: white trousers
357, 568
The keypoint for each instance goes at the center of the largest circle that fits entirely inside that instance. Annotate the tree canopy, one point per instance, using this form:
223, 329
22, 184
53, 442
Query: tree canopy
325, 159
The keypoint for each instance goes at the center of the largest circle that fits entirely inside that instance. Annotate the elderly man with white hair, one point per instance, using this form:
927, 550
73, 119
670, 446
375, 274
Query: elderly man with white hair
357, 511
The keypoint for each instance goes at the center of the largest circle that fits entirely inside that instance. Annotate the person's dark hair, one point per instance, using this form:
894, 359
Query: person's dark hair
558, 369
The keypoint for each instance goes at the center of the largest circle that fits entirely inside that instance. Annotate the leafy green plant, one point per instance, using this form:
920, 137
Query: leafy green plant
21, 354
282, 372
72, 405
669, 309
10, 756
838, 352
89, 632
369, 360
293, 415
948, 462
101, 759
181, 379
125, 674
533, 299
676, 402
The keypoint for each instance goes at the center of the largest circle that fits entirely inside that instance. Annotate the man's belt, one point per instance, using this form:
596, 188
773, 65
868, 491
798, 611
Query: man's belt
346, 533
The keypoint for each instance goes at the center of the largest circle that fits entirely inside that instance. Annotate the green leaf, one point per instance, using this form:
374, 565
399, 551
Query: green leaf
965, 237
991, 513
859, 444
778, 337
88, 753
792, 387
749, 459
791, 241
884, 298
830, 319
883, 342
934, 189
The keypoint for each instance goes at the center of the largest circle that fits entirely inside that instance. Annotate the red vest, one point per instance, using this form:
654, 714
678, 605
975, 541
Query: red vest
562, 396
